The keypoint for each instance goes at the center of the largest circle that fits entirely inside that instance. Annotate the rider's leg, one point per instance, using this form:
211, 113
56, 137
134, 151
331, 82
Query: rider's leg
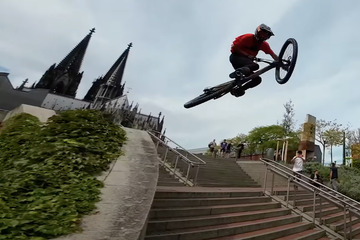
252, 83
242, 65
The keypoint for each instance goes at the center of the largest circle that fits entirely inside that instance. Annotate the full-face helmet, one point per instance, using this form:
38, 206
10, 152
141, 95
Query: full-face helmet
263, 32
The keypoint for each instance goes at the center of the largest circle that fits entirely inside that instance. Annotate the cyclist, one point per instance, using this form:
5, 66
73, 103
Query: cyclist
244, 49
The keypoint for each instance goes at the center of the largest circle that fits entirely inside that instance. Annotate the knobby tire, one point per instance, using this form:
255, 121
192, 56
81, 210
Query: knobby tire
213, 93
289, 59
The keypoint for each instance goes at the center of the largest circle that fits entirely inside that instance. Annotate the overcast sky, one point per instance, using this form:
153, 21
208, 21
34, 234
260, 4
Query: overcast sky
180, 47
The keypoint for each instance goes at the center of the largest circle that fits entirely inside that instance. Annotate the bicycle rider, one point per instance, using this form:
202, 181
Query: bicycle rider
244, 49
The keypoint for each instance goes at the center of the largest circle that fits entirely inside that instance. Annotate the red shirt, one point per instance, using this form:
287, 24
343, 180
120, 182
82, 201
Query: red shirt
248, 44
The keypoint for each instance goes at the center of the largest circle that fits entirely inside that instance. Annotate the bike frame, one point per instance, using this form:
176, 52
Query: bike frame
272, 64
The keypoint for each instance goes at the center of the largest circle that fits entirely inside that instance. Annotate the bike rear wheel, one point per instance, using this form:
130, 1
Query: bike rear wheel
211, 93
287, 57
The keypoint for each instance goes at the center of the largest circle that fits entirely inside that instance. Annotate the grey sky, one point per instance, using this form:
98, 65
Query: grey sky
180, 47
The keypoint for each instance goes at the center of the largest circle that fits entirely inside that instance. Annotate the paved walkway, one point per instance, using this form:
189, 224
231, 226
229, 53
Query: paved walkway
130, 186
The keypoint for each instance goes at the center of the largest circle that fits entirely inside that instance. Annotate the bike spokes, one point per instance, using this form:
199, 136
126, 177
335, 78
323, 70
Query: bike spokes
287, 57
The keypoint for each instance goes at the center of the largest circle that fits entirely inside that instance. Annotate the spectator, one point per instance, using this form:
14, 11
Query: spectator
298, 165
212, 146
334, 177
223, 146
240, 149
317, 178
228, 149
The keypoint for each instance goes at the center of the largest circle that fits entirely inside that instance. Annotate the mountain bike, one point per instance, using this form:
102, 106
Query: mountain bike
284, 67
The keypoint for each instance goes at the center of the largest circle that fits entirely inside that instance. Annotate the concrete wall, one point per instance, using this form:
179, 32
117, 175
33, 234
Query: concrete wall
41, 113
57, 102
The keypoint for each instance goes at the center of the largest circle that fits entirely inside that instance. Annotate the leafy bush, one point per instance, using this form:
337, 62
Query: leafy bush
349, 178
48, 172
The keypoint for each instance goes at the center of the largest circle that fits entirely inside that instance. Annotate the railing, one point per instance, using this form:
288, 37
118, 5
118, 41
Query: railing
185, 166
348, 205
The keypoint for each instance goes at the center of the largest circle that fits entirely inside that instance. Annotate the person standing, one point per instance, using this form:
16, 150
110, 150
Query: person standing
240, 148
223, 146
317, 178
298, 161
334, 176
212, 146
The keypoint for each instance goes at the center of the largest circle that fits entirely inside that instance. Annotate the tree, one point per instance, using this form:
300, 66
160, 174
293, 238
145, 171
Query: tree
262, 138
328, 134
288, 122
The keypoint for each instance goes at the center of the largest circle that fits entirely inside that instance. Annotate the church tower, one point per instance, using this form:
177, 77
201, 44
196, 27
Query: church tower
65, 78
110, 86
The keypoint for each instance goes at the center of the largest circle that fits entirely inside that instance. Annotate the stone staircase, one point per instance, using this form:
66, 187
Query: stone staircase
326, 213
218, 172
223, 214
226, 203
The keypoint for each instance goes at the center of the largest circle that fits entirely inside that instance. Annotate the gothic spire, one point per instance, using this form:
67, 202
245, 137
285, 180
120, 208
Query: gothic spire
116, 72
110, 86
72, 62
65, 77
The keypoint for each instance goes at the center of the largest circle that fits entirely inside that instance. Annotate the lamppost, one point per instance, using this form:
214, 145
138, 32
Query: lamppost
323, 157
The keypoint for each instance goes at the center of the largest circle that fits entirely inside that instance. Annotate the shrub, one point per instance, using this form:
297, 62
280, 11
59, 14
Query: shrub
48, 172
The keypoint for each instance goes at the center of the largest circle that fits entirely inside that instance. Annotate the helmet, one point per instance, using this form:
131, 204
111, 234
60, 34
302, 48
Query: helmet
263, 28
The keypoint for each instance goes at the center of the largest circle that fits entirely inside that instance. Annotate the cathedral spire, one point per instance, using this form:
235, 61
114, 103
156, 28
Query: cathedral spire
72, 62
66, 76
110, 86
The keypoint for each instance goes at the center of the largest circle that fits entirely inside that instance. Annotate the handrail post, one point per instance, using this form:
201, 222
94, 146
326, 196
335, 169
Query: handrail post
314, 206
320, 200
350, 223
165, 155
188, 171
196, 175
272, 183
176, 162
345, 222
288, 192
265, 179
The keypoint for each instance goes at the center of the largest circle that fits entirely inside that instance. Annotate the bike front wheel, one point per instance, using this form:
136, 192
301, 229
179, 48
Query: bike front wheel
287, 58
211, 93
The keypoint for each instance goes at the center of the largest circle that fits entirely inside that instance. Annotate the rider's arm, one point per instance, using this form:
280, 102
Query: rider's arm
274, 56
265, 47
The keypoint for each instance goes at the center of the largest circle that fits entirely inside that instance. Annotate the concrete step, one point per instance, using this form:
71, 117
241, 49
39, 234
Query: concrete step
325, 212
309, 208
212, 220
206, 194
311, 234
299, 230
166, 203
332, 218
227, 184
355, 230
210, 210
201, 233
339, 225
298, 196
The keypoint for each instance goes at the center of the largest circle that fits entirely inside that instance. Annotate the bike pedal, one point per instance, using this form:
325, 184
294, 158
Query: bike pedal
239, 73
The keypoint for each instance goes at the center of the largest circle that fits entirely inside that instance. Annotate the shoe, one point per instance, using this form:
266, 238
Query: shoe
237, 92
240, 72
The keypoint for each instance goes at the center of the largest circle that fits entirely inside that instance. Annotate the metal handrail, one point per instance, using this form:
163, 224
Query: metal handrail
322, 186
190, 163
330, 195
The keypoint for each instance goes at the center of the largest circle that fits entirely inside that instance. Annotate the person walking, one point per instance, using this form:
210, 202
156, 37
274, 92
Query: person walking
317, 178
298, 161
334, 177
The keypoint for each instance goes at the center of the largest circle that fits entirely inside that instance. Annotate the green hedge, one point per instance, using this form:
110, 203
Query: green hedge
48, 172
349, 178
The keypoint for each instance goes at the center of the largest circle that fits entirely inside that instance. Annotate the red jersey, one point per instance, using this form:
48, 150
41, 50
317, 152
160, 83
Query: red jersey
248, 44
